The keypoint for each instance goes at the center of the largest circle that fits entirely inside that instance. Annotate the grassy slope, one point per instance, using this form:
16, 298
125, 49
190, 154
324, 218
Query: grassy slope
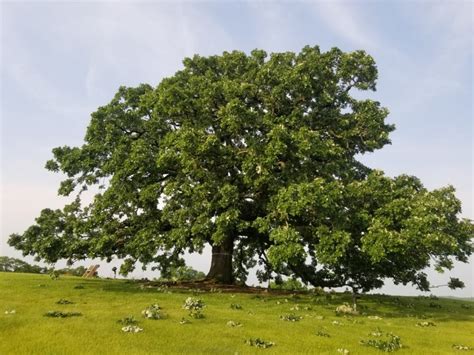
103, 302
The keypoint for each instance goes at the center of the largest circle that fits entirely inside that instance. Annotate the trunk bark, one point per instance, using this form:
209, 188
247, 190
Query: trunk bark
221, 263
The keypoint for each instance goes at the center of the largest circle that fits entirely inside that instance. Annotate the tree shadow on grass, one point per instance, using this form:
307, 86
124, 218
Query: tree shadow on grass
417, 308
385, 306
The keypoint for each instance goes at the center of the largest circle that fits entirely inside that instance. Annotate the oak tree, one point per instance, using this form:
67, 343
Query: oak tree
257, 156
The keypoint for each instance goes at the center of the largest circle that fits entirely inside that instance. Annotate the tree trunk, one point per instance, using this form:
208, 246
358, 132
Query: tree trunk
354, 300
221, 263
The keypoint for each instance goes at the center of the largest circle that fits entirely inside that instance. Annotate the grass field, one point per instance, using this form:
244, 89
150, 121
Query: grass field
103, 302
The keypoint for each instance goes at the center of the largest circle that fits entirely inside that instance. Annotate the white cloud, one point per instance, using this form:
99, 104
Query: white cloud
345, 21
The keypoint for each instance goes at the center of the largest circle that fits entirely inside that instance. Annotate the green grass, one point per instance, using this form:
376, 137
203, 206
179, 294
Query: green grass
103, 302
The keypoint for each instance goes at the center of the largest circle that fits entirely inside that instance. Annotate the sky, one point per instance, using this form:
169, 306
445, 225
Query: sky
59, 61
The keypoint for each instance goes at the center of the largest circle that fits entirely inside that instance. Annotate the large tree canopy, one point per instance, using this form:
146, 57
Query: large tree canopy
255, 155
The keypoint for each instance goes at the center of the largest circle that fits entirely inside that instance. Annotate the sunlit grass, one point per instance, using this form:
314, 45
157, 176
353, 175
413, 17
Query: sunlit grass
103, 303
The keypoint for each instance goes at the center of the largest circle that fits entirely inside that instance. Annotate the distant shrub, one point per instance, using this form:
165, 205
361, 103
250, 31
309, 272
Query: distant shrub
259, 343
291, 317
59, 314
287, 285
64, 301
321, 333
392, 343
462, 347
194, 306
182, 273
132, 329
152, 312
78, 271
425, 324
346, 309
318, 291
130, 320
8, 264
184, 321
54, 274
233, 324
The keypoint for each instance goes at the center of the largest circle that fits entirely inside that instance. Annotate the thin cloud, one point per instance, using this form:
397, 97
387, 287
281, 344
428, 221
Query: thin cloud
345, 21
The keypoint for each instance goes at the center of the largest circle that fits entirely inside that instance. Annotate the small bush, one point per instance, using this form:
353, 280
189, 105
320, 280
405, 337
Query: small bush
132, 329
425, 324
130, 320
259, 343
54, 274
194, 306
288, 285
346, 309
64, 301
392, 343
152, 312
182, 273
321, 333
59, 314
291, 317
462, 347
233, 324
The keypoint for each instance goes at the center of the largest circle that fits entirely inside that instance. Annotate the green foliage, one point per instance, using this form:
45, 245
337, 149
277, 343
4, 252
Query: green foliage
130, 320
255, 155
60, 314
8, 264
182, 273
288, 285
291, 317
77, 271
259, 343
392, 343
455, 283
153, 312
194, 306
54, 274
321, 333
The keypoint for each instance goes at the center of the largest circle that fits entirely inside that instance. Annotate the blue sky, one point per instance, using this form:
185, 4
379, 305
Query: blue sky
60, 61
